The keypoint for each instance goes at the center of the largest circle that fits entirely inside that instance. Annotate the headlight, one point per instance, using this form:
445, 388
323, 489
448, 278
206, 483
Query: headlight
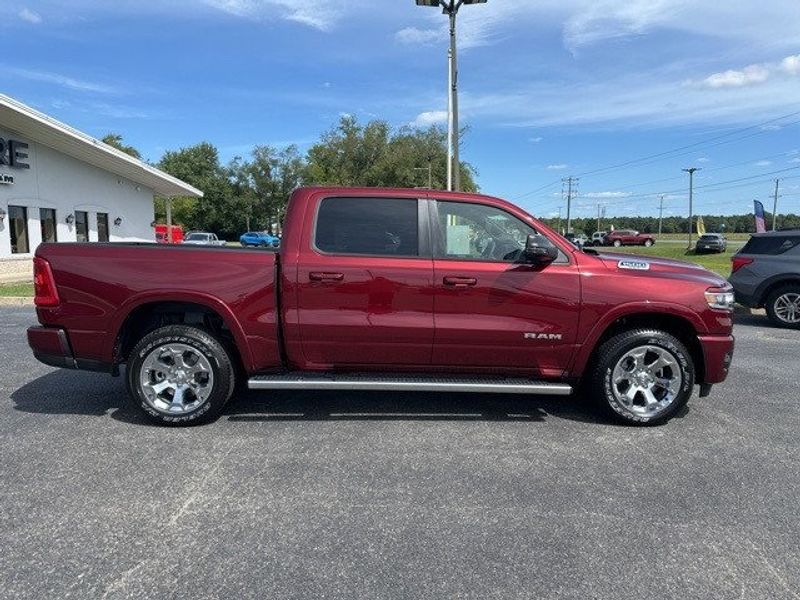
720, 299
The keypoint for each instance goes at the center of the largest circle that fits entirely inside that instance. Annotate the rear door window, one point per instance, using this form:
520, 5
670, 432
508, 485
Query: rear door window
368, 226
770, 244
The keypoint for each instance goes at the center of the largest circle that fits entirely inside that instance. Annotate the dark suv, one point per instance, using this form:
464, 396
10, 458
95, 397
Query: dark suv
766, 272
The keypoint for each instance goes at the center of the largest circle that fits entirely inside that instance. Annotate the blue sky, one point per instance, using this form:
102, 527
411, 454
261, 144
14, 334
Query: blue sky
549, 88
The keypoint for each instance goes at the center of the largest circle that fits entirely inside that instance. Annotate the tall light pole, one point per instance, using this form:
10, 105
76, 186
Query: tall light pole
450, 8
690, 171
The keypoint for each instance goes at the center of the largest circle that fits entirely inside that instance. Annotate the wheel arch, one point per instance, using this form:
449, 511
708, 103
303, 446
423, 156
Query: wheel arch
142, 315
682, 326
774, 282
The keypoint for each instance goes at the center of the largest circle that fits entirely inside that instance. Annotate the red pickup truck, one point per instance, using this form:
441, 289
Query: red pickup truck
376, 289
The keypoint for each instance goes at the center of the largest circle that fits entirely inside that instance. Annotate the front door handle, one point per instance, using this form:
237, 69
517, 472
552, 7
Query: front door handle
324, 276
460, 282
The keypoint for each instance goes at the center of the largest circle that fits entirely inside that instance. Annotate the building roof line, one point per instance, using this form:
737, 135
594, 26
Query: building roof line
52, 133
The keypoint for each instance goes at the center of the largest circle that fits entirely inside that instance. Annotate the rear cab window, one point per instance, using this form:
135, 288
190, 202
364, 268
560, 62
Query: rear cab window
770, 244
368, 226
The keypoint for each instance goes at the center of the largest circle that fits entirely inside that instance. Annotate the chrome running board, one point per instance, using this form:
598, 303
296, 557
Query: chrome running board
411, 383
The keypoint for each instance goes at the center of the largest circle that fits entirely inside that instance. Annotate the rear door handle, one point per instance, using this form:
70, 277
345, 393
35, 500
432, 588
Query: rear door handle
460, 282
322, 276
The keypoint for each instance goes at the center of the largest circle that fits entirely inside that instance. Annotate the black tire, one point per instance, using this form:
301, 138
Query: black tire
613, 350
262, 245
205, 344
773, 297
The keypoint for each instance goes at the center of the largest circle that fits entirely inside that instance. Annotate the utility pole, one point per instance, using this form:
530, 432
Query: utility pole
660, 213
570, 181
598, 217
691, 172
775, 205
450, 8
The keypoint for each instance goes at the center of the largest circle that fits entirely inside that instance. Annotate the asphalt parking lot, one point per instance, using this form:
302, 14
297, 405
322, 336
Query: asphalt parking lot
337, 495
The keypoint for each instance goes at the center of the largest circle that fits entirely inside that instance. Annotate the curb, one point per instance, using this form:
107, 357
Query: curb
16, 301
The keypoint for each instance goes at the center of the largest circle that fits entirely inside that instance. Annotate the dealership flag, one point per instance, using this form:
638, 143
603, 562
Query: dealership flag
701, 227
761, 224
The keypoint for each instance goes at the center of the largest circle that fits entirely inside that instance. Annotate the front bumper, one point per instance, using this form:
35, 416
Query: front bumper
717, 354
51, 346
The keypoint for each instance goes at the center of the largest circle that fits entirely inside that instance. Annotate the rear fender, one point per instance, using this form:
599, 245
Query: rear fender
205, 300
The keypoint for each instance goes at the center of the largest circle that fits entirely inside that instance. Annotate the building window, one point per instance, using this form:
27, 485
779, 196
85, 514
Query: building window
81, 226
18, 226
102, 227
47, 218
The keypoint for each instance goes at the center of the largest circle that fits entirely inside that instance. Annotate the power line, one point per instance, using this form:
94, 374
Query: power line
688, 146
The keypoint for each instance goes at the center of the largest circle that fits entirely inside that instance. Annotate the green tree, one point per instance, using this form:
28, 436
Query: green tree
217, 210
115, 140
351, 154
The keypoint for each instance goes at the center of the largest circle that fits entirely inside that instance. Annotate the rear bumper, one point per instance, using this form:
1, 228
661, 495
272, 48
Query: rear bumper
51, 346
717, 354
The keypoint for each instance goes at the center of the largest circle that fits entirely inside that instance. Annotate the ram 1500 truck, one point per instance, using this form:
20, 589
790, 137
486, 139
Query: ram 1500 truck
376, 289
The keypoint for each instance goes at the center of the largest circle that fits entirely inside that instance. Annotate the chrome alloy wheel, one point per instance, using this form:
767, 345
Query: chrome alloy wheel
176, 378
646, 380
787, 307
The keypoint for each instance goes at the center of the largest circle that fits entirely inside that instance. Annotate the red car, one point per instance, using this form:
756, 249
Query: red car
628, 237
376, 289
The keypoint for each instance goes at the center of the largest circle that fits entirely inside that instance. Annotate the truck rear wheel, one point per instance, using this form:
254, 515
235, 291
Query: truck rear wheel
642, 377
180, 375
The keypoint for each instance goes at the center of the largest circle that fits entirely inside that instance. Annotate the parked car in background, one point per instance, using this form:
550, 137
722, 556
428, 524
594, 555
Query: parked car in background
259, 239
360, 297
766, 273
202, 238
598, 238
628, 237
711, 242
579, 239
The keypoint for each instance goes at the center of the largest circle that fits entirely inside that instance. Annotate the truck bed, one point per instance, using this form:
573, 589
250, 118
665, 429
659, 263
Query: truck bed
102, 285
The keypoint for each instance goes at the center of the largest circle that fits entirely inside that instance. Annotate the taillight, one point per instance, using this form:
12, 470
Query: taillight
737, 262
44, 284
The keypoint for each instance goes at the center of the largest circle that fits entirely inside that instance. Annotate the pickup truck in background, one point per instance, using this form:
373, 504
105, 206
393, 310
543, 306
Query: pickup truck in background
202, 238
376, 289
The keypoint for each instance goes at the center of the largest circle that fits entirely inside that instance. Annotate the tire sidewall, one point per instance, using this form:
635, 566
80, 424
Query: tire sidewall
770, 306
211, 350
617, 243
661, 340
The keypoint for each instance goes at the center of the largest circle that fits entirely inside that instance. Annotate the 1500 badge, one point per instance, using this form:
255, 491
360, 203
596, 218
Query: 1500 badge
634, 265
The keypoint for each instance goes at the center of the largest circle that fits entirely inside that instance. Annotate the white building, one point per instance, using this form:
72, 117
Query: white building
60, 185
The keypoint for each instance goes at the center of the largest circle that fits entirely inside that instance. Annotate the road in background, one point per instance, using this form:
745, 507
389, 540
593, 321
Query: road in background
367, 495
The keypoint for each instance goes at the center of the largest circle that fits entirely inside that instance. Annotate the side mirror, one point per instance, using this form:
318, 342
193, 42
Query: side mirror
539, 250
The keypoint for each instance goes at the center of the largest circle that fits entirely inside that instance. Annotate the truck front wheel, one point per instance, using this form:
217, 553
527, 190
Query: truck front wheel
180, 375
643, 376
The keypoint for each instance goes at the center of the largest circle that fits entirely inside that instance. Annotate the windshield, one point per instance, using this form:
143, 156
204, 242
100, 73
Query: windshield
198, 237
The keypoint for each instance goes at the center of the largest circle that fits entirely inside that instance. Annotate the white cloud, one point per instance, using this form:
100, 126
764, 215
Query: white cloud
556, 167
795, 160
430, 117
770, 127
535, 140
791, 64
703, 159
317, 15
606, 194
26, 14
762, 163
415, 36
80, 85
750, 75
